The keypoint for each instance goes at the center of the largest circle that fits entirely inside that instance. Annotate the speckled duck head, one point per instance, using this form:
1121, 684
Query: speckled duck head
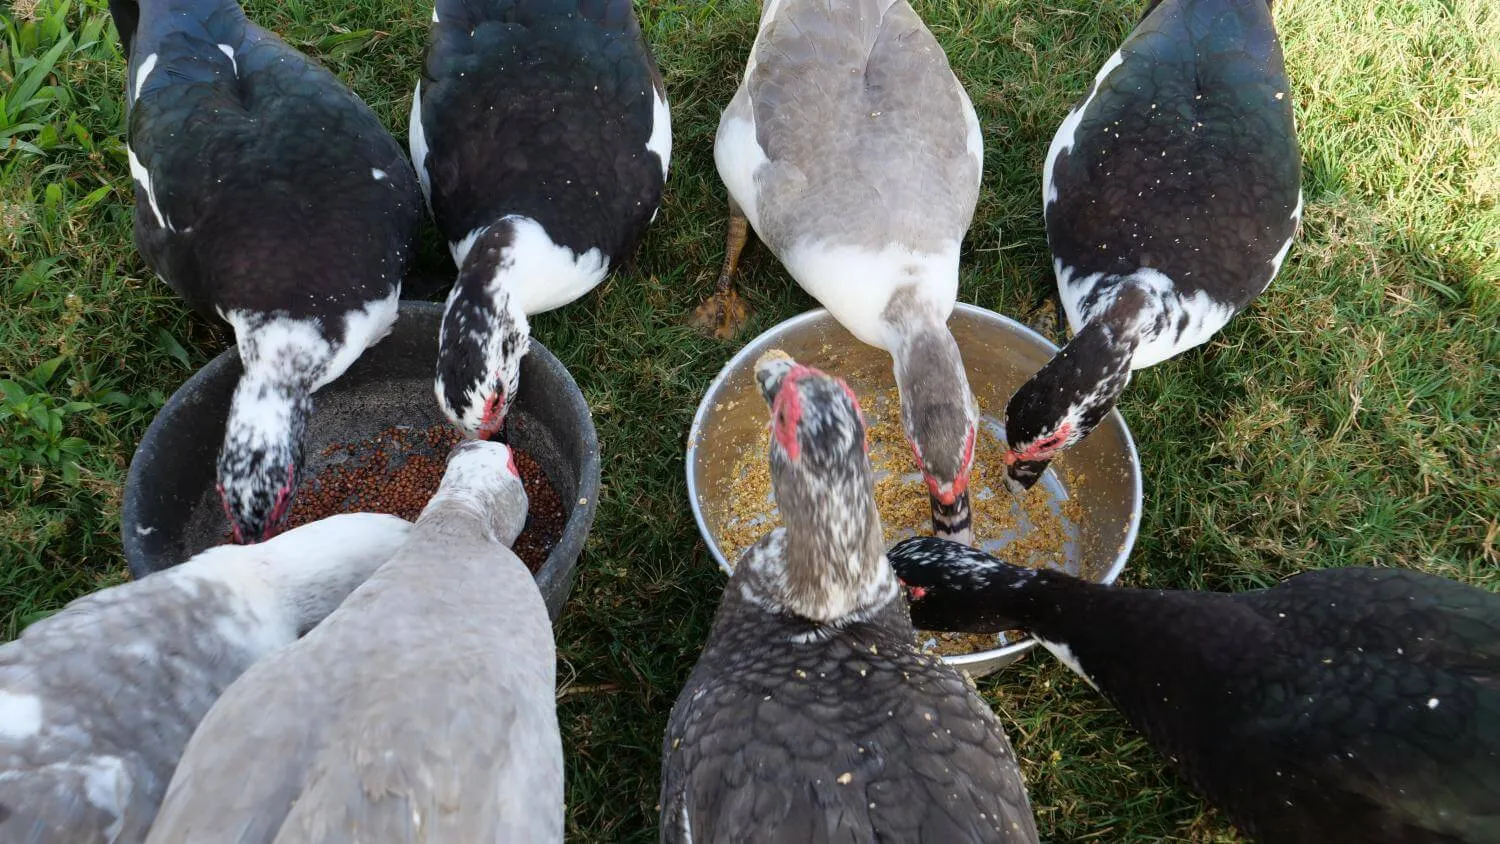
831, 566
480, 486
954, 587
261, 453
481, 341
1072, 393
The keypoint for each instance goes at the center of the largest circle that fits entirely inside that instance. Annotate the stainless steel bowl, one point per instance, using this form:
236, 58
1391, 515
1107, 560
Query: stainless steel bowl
1000, 354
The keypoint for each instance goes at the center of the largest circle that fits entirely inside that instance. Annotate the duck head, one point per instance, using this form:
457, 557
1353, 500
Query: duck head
820, 472
262, 449
938, 415
482, 339
954, 587
1073, 392
481, 482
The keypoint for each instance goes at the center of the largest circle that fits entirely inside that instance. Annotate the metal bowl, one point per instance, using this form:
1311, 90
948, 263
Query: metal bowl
1000, 354
171, 508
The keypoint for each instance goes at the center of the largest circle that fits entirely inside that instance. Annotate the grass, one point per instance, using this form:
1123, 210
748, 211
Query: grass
1346, 419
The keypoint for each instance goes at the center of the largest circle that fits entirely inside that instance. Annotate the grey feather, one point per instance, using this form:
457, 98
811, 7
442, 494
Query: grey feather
862, 119
98, 701
422, 710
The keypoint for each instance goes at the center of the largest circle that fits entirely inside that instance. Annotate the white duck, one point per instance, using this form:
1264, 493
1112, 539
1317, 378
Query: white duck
421, 710
855, 154
98, 701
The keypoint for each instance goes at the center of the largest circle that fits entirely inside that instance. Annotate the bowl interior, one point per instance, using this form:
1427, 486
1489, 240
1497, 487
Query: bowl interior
172, 508
999, 355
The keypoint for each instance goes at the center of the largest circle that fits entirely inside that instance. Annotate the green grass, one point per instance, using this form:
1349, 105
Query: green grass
1347, 418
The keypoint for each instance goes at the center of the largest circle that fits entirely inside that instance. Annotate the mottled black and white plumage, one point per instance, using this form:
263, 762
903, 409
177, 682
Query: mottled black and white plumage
811, 716
541, 134
98, 701
269, 194
1355, 704
1172, 193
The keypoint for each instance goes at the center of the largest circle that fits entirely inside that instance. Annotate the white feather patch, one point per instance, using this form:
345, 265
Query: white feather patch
1065, 655
660, 141
831, 273
738, 155
1281, 253
266, 344
542, 275
1205, 315
20, 715
143, 178
229, 51
147, 65
417, 140
975, 139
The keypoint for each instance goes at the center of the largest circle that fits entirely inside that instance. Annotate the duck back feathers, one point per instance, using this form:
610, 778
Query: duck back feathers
833, 735
263, 184
544, 109
867, 137
1183, 158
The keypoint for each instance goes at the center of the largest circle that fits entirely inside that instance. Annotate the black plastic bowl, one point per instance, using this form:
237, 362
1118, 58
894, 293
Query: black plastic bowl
172, 510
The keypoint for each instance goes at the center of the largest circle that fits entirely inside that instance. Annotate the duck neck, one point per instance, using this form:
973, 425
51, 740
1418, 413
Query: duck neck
1073, 391
488, 276
938, 411
268, 414
475, 510
828, 563
310, 573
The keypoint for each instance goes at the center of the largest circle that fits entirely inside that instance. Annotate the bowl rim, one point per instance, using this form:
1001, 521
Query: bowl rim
575, 530
695, 435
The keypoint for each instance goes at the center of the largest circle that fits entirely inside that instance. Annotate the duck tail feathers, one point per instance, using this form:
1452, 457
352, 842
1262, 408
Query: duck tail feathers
126, 15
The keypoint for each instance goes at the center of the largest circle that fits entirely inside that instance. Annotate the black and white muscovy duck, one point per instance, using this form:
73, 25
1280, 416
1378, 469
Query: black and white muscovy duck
811, 716
541, 136
855, 154
267, 193
1171, 194
1353, 704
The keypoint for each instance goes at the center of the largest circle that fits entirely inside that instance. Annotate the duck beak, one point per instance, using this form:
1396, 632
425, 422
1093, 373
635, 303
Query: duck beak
1022, 475
952, 519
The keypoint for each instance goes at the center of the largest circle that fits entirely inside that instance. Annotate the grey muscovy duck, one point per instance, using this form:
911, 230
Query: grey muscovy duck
421, 710
1354, 704
541, 134
855, 154
98, 701
269, 195
1172, 193
811, 716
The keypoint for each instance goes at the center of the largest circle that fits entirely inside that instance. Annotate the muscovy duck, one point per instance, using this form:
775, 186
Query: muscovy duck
1353, 704
267, 193
810, 715
1171, 193
541, 135
422, 709
855, 154
98, 701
